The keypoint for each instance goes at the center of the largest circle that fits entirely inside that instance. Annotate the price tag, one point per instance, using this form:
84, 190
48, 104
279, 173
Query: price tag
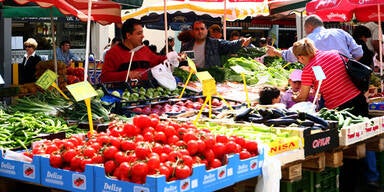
1, 80
192, 65
239, 69
46, 80
319, 73
209, 84
81, 90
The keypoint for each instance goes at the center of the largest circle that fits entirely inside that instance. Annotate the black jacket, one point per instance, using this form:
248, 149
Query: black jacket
27, 71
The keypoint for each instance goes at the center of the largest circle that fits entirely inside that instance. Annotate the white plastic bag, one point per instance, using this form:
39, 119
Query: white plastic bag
172, 61
270, 179
164, 77
306, 106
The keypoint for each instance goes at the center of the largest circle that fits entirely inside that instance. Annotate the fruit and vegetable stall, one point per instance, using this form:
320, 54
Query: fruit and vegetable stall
131, 138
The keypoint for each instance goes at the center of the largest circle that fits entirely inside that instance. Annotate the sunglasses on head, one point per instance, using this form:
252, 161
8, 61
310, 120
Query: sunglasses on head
28, 46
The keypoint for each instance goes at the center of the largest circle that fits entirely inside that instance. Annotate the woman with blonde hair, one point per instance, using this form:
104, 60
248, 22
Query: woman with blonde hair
337, 88
27, 68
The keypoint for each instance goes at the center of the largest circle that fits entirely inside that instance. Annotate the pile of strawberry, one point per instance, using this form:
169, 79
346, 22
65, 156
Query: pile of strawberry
148, 146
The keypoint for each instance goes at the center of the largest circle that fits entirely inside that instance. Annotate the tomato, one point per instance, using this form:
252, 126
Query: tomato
142, 121
110, 166
103, 139
240, 141
139, 169
165, 170
97, 158
127, 145
120, 157
209, 141
200, 145
172, 139
219, 150
163, 157
153, 162
180, 132
251, 146
69, 145
116, 131
160, 137
174, 156
148, 136
167, 149
189, 136
244, 154
115, 141
222, 138
109, 152
231, 147
96, 146
130, 130
142, 150
208, 154
124, 170
139, 138
182, 171
168, 130
192, 147
76, 162
89, 152
154, 122
50, 148
188, 160
215, 163
68, 155
56, 160
84, 162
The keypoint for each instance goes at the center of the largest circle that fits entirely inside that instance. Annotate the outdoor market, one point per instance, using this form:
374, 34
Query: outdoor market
191, 95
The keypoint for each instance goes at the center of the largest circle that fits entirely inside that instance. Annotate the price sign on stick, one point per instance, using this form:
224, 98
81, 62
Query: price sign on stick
208, 82
192, 70
319, 74
48, 79
242, 72
1, 80
84, 91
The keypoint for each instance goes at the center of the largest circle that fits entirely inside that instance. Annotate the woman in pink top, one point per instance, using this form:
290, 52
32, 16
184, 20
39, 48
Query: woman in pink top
337, 88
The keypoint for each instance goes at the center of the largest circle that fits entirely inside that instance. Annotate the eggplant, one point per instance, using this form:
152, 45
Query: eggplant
291, 113
277, 113
243, 115
293, 116
318, 127
280, 122
266, 113
307, 123
256, 119
316, 119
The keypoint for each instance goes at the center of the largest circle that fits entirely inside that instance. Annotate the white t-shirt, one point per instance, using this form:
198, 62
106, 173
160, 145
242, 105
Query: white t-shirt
374, 28
199, 50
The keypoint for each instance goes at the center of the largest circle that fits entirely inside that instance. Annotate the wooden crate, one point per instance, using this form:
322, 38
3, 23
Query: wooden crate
291, 171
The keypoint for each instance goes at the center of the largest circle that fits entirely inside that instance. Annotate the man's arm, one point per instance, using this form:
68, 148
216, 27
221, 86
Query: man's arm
303, 94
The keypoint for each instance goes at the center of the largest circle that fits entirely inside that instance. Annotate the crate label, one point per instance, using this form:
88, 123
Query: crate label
79, 181
135, 189
8, 168
321, 142
54, 178
114, 187
209, 178
185, 184
29, 171
278, 147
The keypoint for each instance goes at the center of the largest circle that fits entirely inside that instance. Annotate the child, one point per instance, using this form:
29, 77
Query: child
295, 84
269, 96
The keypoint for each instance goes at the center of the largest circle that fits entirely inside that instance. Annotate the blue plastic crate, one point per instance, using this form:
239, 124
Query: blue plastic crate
248, 168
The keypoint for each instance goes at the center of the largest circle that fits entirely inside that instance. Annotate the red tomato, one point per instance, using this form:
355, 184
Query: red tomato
127, 145
244, 154
55, 160
182, 171
142, 150
76, 162
50, 148
110, 166
200, 145
142, 121
139, 169
153, 162
68, 155
209, 155
130, 130
231, 147
124, 170
222, 138
172, 139
109, 152
96, 159
251, 146
168, 130
165, 170
219, 150
192, 147
89, 152
160, 137
148, 136
188, 160
115, 141
189, 136
215, 163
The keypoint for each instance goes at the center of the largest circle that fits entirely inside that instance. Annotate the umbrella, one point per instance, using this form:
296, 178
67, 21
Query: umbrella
102, 11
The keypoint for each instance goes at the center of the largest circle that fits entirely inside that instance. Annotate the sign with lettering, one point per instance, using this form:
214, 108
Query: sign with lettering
46, 79
81, 90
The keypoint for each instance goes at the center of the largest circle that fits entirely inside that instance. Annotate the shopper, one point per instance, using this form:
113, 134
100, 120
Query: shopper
64, 53
207, 50
215, 31
27, 68
324, 39
118, 57
235, 35
294, 88
171, 43
115, 41
269, 96
361, 34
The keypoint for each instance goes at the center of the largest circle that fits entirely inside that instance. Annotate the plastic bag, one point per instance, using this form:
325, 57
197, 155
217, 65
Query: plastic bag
17, 156
270, 179
164, 77
172, 61
306, 106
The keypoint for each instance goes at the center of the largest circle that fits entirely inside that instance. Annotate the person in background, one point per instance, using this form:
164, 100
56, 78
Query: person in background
146, 42
263, 42
324, 39
208, 50
185, 36
64, 53
294, 88
269, 96
215, 31
118, 58
235, 35
115, 41
361, 34
171, 43
27, 68
339, 92
153, 48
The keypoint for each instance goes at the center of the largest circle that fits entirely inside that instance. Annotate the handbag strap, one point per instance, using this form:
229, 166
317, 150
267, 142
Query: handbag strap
343, 58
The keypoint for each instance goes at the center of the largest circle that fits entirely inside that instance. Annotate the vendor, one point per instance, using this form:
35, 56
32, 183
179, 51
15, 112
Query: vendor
117, 59
27, 68
207, 50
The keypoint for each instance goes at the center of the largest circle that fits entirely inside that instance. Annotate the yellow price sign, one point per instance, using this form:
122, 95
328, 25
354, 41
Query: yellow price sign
209, 84
191, 65
82, 90
46, 80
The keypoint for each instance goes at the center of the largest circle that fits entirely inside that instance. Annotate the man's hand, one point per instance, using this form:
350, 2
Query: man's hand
246, 41
272, 51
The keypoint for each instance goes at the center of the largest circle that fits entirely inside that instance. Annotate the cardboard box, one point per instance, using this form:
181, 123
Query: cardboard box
65, 179
249, 168
20, 170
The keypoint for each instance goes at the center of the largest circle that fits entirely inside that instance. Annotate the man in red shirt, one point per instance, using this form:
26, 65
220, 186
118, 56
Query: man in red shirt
117, 59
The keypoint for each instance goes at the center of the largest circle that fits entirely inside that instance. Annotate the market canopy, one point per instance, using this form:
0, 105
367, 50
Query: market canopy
103, 11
